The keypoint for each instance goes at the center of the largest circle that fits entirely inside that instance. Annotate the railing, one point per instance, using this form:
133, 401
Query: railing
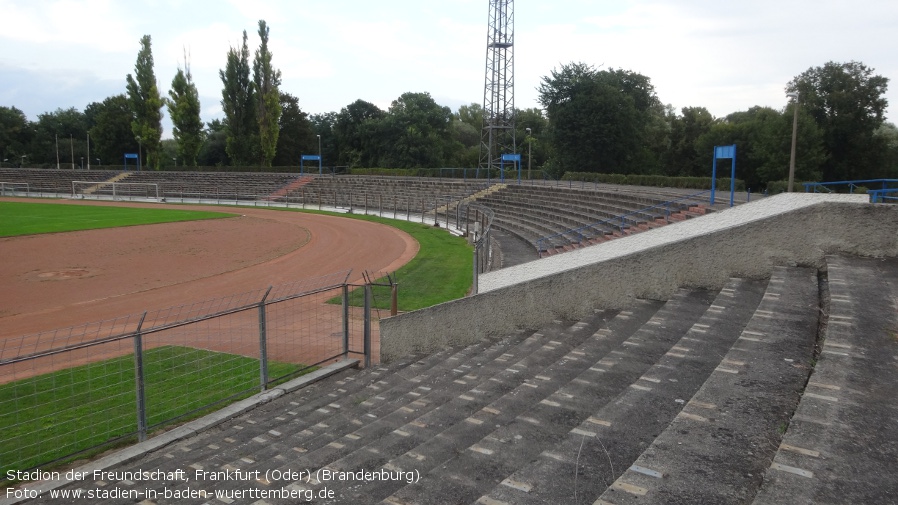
882, 195
575, 235
476, 222
68, 392
830, 187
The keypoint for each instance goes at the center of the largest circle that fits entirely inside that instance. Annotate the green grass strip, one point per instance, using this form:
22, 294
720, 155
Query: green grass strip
440, 272
28, 218
56, 414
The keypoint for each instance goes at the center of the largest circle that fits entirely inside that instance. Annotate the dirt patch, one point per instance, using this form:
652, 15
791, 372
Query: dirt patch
64, 279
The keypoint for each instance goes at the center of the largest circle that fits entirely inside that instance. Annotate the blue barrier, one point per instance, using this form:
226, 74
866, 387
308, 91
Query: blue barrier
828, 187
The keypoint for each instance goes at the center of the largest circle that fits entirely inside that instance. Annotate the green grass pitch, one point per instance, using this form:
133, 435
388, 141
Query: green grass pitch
59, 413
21, 218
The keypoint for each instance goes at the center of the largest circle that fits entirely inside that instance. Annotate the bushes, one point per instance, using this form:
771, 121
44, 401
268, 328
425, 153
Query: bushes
661, 181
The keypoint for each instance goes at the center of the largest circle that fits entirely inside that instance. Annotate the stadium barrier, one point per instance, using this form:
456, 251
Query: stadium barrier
68, 392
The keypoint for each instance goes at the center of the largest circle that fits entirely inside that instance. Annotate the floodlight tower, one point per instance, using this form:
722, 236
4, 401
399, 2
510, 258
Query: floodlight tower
497, 137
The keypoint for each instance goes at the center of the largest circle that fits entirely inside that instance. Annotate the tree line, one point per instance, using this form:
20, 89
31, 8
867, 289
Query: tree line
590, 120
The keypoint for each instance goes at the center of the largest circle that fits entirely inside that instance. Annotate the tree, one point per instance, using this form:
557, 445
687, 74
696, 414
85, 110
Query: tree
66, 125
466, 128
354, 130
295, 136
110, 132
184, 109
268, 108
238, 104
887, 134
847, 101
323, 126
214, 151
683, 157
599, 121
532, 144
145, 102
415, 133
763, 139
15, 134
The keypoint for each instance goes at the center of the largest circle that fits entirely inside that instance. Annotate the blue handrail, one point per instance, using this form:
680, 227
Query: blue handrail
880, 195
819, 187
613, 221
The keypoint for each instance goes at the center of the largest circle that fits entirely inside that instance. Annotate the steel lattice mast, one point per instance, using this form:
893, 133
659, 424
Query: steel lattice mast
497, 137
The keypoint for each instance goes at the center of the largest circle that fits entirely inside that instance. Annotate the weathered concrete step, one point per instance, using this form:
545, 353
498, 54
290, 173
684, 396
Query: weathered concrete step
717, 448
842, 442
333, 403
335, 438
535, 417
592, 455
541, 345
440, 434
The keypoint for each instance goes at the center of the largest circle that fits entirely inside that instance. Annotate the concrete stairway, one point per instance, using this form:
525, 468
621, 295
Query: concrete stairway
682, 401
842, 443
717, 448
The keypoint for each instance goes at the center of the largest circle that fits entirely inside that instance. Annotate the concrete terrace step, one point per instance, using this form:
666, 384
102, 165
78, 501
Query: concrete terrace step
384, 412
717, 449
563, 396
466, 460
427, 438
313, 420
593, 454
842, 442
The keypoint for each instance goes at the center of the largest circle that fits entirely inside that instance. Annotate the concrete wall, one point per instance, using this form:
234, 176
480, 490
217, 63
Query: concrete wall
745, 241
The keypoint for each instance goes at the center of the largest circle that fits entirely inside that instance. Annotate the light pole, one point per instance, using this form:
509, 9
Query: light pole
794, 97
319, 154
72, 148
175, 161
98, 162
88, 151
139, 148
57, 150
22, 165
529, 153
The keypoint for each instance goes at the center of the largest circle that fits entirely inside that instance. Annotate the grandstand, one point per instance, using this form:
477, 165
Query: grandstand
745, 356
549, 218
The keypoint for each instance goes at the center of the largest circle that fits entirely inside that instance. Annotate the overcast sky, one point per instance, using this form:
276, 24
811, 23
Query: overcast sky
725, 56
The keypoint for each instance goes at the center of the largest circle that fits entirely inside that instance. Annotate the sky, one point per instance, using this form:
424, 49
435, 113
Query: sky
724, 56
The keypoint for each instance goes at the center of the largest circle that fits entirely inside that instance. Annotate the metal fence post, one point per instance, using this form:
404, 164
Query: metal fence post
345, 320
476, 268
263, 344
367, 332
139, 383
394, 298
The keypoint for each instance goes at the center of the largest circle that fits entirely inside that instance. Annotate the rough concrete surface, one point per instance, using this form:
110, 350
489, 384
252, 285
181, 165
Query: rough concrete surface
746, 241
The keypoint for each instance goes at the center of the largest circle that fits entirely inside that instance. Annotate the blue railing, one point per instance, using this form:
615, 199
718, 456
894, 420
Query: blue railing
829, 187
882, 195
578, 234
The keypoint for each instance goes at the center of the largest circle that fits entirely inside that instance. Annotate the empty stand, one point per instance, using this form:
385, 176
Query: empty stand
680, 401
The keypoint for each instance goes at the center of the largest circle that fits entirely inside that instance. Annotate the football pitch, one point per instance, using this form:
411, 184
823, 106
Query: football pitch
26, 218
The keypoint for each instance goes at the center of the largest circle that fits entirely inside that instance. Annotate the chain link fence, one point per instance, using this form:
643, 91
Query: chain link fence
69, 392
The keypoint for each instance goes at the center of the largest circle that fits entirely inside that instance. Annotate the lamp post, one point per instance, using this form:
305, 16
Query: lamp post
139, 148
529, 153
88, 151
319, 155
72, 148
794, 97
